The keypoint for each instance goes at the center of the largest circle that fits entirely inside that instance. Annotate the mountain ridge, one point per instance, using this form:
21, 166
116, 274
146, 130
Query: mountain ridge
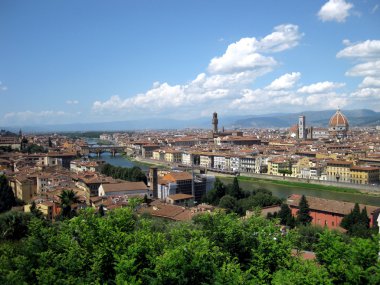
357, 117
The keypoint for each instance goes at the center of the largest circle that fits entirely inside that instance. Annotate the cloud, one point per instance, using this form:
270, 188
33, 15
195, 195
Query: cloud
41, 117
330, 100
3, 87
254, 100
72, 102
237, 69
367, 53
370, 82
375, 8
362, 50
247, 53
285, 81
370, 68
367, 93
320, 87
335, 10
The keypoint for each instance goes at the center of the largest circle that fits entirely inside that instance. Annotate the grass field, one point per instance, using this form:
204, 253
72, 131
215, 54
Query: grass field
297, 184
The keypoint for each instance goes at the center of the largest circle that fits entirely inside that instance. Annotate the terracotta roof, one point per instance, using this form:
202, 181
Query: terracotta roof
180, 196
125, 186
332, 206
364, 168
339, 162
177, 176
338, 119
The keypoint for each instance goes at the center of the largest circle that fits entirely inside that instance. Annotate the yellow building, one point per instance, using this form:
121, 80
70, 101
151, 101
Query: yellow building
23, 187
326, 156
339, 170
277, 165
364, 175
173, 156
47, 209
158, 155
303, 162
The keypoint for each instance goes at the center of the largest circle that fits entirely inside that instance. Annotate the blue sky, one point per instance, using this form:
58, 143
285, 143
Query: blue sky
65, 61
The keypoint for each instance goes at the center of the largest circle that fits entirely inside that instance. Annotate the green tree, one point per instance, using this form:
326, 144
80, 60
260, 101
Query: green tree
302, 273
285, 172
303, 213
286, 217
7, 198
357, 223
308, 237
220, 188
14, 225
235, 190
228, 202
67, 198
348, 263
101, 211
35, 211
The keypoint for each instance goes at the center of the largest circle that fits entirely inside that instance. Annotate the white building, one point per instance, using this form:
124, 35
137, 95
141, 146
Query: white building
206, 160
220, 162
187, 158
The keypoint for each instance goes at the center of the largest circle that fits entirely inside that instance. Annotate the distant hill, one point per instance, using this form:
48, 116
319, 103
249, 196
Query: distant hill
361, 117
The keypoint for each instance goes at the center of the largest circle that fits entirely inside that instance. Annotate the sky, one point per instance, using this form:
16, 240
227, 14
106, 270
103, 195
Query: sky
71, 61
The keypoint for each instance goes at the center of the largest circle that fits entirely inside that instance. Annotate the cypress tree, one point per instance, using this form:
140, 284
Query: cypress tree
235, 190
303, 214
286, 217
7, 198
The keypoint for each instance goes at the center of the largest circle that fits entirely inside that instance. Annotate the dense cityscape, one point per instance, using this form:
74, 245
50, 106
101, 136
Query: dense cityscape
190, 142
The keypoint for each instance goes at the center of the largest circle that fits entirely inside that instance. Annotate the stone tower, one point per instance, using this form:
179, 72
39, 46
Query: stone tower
215, 123
153, 181
301, 127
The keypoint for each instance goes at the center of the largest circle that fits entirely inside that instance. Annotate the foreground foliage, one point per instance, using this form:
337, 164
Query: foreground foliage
215, 248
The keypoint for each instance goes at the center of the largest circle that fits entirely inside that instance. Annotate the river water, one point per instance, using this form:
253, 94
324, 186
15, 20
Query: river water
281, 191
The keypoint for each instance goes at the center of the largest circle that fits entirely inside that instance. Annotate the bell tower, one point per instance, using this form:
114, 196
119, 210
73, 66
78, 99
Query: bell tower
215, 123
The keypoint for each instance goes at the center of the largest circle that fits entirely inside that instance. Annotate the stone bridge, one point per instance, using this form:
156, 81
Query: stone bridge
99, 149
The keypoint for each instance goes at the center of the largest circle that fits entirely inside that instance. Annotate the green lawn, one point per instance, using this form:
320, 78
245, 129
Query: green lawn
298, 184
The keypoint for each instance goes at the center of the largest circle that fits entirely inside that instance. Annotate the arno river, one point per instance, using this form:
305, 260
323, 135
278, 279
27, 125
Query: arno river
281, 191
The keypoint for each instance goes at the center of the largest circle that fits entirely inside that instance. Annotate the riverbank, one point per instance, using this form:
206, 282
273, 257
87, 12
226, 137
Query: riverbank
279, 187
144, 162
298, 184
304, 185
283, 190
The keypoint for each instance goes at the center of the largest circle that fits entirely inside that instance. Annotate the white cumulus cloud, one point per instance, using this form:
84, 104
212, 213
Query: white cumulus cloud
236, 70
335, 10
72, 102
366, 49
367, 93
3, 87
366, 55
370, 82
285, 81
247, 53
320, 87
371, 68
36, 117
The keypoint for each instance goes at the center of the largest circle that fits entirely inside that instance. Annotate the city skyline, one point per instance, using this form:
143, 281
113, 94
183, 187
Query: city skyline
67, 62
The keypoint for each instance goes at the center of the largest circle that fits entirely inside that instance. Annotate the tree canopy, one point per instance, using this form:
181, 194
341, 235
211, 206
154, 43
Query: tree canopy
357, 223
215, 248
130, 174
7, 198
